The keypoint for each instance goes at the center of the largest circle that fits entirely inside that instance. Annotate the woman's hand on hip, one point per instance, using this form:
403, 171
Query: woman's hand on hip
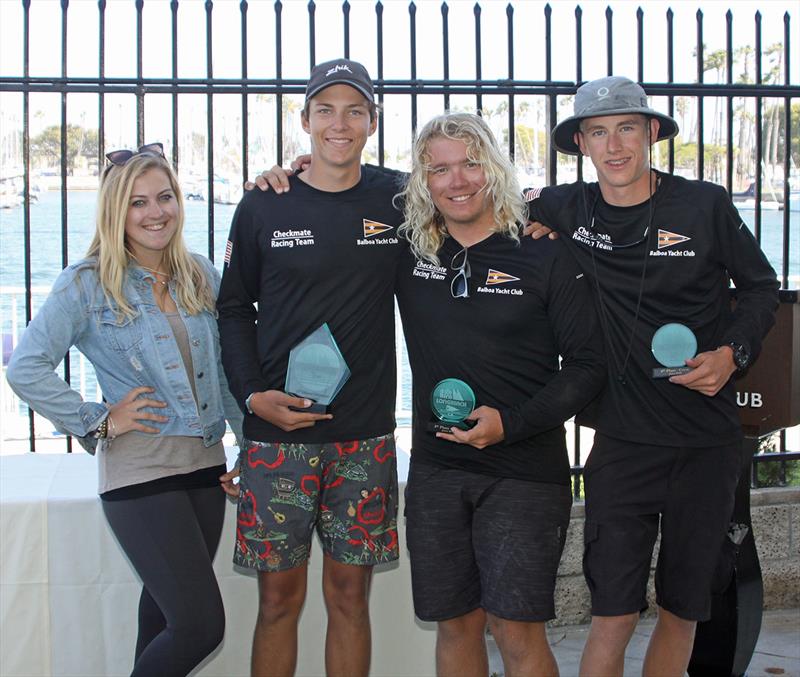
127, 414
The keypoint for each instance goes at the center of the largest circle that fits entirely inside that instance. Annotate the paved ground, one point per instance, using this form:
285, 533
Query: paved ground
777, 651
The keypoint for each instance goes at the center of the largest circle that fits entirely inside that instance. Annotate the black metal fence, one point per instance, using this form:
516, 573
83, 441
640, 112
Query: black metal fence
768, 84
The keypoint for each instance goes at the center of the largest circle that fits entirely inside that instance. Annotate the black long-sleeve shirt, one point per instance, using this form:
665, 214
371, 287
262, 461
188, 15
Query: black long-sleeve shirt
306, 258
528, 303
696, 244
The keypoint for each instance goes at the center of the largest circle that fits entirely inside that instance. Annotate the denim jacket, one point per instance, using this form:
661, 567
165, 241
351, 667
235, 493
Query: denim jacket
125, 353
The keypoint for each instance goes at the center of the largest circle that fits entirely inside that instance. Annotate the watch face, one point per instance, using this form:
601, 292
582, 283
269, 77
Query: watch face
741, 357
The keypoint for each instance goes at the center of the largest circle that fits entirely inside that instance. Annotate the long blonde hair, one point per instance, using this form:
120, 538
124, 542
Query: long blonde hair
110, 249
424, 226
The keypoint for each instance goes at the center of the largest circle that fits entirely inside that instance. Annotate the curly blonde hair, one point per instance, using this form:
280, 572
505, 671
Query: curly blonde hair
110, 248
424, 225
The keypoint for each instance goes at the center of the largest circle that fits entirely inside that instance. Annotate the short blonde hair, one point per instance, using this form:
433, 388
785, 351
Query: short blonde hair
424, 226
110, 248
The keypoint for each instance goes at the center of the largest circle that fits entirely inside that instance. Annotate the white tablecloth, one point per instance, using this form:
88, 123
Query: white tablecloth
68, 596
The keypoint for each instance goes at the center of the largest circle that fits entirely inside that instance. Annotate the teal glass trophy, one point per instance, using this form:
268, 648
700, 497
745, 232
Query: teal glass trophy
452, 401
672, 345
317, 370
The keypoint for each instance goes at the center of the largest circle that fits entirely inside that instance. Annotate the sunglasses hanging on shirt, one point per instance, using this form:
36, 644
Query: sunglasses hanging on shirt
459, 287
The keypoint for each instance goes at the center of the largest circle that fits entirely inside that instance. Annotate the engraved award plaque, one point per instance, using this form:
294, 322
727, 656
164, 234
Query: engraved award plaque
317, 370
672, 345
452, 400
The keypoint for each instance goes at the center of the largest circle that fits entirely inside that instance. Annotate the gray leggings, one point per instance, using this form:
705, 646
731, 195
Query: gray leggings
170, 538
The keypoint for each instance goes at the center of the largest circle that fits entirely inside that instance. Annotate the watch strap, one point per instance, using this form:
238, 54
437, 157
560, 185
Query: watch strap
741, 355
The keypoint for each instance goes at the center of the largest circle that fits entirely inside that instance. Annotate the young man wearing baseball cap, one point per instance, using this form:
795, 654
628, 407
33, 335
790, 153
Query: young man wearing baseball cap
659, 251
324, 254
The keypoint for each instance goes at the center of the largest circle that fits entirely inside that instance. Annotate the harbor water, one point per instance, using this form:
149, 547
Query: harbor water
47, 260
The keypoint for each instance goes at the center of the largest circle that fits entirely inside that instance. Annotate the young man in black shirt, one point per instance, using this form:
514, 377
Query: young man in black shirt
659, 250
487, 508
326, 253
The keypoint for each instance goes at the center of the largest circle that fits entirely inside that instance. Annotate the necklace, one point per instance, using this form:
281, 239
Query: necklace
156, 273
621, 366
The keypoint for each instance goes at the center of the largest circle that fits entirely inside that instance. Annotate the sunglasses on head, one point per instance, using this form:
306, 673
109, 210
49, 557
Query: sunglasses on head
120, 157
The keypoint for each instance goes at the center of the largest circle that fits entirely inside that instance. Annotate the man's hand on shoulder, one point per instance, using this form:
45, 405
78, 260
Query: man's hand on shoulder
273, 406
487, 431
710, 371
277, 178
538, 230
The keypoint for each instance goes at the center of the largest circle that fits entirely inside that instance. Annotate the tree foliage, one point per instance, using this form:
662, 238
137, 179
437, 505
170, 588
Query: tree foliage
46, 146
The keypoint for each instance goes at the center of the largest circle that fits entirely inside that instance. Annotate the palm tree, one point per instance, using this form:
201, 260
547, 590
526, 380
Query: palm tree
716, 61
744, 157
291, 137
682, 106
774, 54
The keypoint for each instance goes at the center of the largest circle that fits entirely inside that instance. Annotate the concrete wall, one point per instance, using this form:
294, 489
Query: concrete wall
776, 524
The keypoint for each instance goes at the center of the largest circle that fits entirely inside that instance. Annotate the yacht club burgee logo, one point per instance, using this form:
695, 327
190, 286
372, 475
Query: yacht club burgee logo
372, 231
666, 240
497, 277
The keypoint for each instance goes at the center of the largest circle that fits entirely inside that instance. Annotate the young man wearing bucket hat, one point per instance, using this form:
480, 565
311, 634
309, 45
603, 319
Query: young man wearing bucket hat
660, 251
324, 254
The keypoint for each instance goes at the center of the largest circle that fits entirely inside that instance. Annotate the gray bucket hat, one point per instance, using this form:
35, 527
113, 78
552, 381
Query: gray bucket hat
613, 95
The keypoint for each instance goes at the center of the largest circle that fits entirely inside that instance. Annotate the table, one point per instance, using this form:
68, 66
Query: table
68, 596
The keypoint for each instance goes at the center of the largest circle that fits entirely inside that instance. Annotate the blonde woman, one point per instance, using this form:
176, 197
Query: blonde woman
140, 307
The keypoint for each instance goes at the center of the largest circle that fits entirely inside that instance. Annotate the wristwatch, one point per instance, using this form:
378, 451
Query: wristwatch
741, 355
247, 403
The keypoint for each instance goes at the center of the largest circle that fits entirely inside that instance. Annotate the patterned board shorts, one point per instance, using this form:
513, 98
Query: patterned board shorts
346, 490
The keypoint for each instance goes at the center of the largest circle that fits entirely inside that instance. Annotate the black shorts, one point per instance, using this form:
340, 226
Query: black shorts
630, 489
478, 541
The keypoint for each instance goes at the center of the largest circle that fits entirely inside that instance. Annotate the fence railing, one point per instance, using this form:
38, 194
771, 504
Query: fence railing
751, 133
85, 382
